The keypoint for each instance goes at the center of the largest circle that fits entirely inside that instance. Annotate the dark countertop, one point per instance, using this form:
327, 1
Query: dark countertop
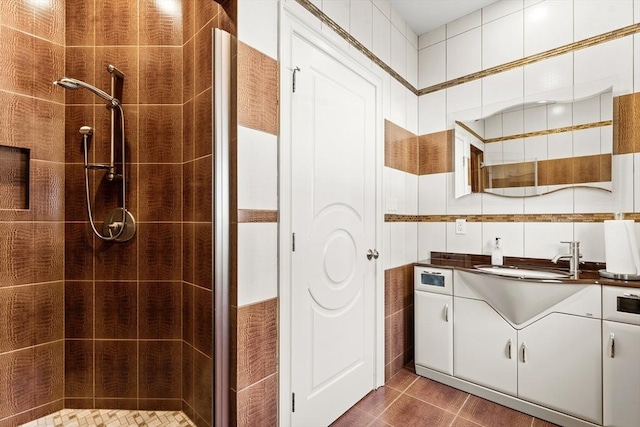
588, 273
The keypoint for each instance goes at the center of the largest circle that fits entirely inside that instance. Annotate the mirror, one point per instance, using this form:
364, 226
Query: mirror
536, 148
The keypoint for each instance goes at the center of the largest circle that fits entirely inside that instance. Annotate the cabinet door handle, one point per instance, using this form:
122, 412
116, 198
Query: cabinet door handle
524, 353
446, 312
509, 348
612, 345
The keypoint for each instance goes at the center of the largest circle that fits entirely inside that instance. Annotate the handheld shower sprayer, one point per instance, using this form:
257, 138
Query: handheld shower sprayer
74, 84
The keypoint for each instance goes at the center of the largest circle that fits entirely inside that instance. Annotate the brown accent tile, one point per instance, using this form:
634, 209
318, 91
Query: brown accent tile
160, 310
487, 413
117, 261
47, 191
258, 103
117, 403
48, 372
14, 180
48, 251
160, 75
188, 20
80, 22
188, 411
203, 134
378, 400
202, 60
17, 327
400, 148
202, 387
47, 409
437, 394
159, 404
255, 215
78, 251
118, 23
49, 22
78, 403
258, 404
160, 369
397, 334
189, 189
17, 119
188, 303
398, 288
257, 342
75, 201
160, 192
408, 411
116, 305
125, 59
17, 14
626, 124
402, 380
204, 13
352, 418
160, 251
48, 312
203, 255
188, 65
188, 131
75, 117
101, 140
18, 49
160, 26
48, 65
594, 168
107, 195
461, 422
48, 122
435, 152
203, 321
203, 181
188, 252
79, 64
115, 370
187, 375
78, 368
16, 382
555, 171
160, 133
16, 245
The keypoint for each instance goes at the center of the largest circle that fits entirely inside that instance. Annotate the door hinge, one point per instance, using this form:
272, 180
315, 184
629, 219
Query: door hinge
293, 242
293, 402
295, 70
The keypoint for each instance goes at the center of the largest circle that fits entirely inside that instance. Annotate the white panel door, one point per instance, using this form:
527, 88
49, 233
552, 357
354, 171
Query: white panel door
484, 346
433, 331
621, 374
560, 365
333, 217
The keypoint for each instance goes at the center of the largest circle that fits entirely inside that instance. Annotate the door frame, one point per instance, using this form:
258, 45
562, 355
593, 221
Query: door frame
293, 24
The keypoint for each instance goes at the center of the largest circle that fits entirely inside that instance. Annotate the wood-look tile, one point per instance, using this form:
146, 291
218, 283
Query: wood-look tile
76, 116
387, 347
75, 200
116, 309
160, 310
257, 90
130, 404
188, 304
189, 73
435, 152
125, 59
49, 22
47, 191
400, 148
188, 252
18, 61
398, 288
17, 14
80, 22
160, 252
161, 75
589, 168
203, 321
17, 119
118, 23
116, 365
48, 122
156, 405
487, 413
626, 124
160, 26
117, 261
257, 342
79, 64
16, 382
203, 182
48, 254
189, 411
78, 251
402, 380
160, 369
48, 312
79, 403
202, 60
203, 132
188, 131
160, 133
203, 255
160, 192
48, 65
258, 404
397, 341
378, 400
48, 372
78, 368
203, 387
257, 216
187, 374
188, 20
406, 411
437, 394
555, 171
461, 422
16, 244
189, 191
205, 11
17, 326
352, 418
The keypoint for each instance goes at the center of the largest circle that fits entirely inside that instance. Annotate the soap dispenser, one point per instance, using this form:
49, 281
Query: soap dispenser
496, 253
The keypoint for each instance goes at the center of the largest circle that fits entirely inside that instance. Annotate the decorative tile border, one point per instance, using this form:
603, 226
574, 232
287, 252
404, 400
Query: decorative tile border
582, 44
536, 133
254, 215
586, 217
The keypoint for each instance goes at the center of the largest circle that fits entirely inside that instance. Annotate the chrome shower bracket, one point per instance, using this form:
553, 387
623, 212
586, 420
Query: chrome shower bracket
113, 224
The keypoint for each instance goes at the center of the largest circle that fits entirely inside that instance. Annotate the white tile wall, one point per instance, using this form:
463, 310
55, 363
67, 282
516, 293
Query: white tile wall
464, 53
557, 202
432, 194
432, 37
589, 200
547, 25
502, 90
464, 102
432, 65
400, 192
497, 47
511, 236
412, 111
257, 169
432, 236
384, 6
381, 36
338, 10
559, 115
470, 204
361, 22
535, 118
551, 79
466, 23
500, 9
386, 245
542, 239
398, 51
586, 142
257, 262
398, 104
412, 64
636, 11
595, 17
465, 243
432, 112
492, 204
259, 27
598, 67
403, 248
591, 238
398, 21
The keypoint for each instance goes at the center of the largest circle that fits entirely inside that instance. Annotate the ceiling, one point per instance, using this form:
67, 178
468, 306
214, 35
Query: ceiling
425, 15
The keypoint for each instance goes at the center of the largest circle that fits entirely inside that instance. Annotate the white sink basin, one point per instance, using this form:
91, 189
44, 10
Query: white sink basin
515, 299
523, 273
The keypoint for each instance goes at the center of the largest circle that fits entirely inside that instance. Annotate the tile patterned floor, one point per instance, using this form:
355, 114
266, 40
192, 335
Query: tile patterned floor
410, 400
112, 418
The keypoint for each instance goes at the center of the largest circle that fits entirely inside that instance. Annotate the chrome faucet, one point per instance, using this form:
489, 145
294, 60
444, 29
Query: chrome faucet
573, 256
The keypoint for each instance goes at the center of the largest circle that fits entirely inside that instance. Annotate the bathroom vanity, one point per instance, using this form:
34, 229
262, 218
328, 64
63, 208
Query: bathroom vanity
557, 348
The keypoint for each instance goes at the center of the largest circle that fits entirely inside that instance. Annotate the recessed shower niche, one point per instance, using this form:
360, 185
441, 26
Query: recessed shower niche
14, 177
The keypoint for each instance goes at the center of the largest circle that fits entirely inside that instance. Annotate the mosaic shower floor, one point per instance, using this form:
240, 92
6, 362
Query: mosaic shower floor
112, 418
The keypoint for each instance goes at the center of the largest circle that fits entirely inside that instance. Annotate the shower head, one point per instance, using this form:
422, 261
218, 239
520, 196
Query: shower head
73, 84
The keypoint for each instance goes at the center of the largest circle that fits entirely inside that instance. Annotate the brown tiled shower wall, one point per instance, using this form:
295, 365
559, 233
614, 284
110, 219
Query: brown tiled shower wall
32, 240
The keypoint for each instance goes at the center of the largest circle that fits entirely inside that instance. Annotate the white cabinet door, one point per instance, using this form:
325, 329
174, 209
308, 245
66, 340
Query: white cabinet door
433, 315
484, 346
621, 376
560, 365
